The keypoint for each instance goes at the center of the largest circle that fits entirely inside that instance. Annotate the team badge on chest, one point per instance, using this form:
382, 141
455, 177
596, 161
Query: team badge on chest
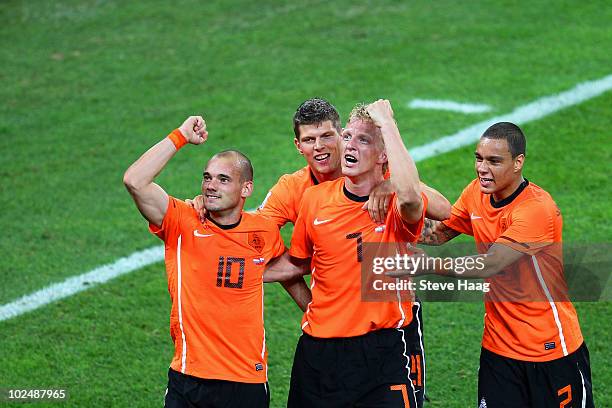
256, 241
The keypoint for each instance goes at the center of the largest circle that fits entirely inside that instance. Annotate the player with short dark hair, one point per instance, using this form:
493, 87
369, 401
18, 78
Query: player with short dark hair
215, 274
315, 111
533, 353
355, 353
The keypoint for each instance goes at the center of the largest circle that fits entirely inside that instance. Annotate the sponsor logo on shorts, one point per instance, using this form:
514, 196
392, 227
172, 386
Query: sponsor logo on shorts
483, 403
549, 346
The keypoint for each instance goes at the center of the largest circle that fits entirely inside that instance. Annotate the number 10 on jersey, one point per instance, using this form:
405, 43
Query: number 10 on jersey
224, 272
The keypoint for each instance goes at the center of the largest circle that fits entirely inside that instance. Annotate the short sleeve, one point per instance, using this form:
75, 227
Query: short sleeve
277, 206
531, 228
277, 246
170, 223
301, 244
410, 231
460, 219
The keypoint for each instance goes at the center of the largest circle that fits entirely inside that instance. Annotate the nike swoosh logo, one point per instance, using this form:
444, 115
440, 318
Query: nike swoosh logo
317, 222
474, 217
197, 234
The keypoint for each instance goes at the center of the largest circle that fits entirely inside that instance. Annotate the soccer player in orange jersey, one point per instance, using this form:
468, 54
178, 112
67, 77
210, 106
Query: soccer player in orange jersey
317, 130
215, 275
355, 353
533, 353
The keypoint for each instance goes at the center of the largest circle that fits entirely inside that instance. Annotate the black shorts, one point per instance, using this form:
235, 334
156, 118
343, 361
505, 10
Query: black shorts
188, 391
372, 370
505, 382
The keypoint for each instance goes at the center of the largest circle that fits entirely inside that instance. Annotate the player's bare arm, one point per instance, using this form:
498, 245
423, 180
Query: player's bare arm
150, 198
438, 207
436, 233
299, 292
286, 268
404, 174
497, 258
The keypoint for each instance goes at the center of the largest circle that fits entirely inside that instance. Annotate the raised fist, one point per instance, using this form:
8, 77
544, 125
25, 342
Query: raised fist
194, 130
380, 112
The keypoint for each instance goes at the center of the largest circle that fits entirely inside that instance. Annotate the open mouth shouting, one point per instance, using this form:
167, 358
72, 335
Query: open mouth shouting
350, 160
485, 182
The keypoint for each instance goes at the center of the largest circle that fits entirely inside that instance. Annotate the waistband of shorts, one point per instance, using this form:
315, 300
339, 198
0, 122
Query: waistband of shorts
371, 334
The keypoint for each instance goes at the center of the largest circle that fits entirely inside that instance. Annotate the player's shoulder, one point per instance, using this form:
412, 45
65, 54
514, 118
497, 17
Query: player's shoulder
324, 190
536, 200
299, 177
181, 207
254, 222
473, 188
536, 196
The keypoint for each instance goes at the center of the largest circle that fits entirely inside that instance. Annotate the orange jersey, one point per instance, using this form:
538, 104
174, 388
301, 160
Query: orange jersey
330, 228
529, 222
215, 280
282, 203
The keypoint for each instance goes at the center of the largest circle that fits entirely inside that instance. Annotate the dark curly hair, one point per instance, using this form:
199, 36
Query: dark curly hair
315, 111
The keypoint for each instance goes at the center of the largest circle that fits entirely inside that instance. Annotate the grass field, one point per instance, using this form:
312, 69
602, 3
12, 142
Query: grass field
89, 85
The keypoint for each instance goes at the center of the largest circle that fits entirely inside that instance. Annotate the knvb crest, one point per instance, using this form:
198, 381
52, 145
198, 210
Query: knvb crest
256, 241
504, 223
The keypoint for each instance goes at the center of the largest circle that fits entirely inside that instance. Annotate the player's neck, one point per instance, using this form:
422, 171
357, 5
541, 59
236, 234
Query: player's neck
509, 190
363, 184
323, 177
226, 217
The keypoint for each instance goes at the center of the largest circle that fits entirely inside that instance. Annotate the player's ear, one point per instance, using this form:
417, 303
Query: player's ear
518, 163
382, 157
298, 146
247, 189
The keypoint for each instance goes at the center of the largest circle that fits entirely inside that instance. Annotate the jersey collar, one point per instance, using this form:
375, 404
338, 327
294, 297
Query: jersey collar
224, 227
511, 197
313, 178
353, 197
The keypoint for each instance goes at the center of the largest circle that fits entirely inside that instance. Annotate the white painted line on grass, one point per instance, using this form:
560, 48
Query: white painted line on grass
523, 114
448, 106
79, 283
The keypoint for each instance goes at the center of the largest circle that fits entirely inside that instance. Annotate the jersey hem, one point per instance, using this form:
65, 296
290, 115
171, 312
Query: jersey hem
542, 359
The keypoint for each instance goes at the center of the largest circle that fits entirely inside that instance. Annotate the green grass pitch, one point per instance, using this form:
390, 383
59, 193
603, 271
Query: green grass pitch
87, 85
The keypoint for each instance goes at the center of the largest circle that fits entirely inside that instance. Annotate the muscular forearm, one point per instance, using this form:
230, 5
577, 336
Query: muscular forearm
486, 265
404, 174
299, 292
144, 170
438, 207
436, 233
285, 268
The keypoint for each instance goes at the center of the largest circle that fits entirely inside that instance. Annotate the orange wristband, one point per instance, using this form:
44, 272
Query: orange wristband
177, 138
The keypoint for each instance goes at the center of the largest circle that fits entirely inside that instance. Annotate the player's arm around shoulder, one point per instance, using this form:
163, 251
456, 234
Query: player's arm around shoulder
286, 268
276, 205
150, 198
436, 233
438, 206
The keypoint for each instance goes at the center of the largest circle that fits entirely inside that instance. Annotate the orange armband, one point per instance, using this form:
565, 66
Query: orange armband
177, 138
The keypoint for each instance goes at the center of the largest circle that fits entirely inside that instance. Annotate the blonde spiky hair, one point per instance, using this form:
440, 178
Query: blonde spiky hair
360, 112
